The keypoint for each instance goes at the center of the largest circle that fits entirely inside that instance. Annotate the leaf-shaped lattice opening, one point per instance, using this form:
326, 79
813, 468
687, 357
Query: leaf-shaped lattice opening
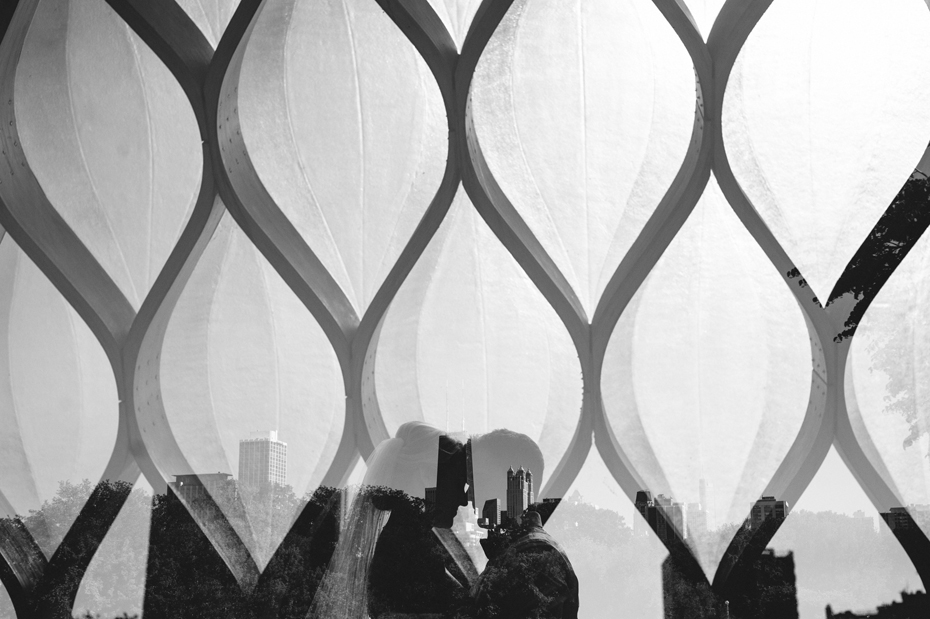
587, 163
60, 407
701, 425
110, 136
242, 358
844, 554
470, 344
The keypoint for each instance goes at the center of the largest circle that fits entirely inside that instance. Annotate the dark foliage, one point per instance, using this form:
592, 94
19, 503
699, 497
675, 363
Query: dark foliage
888, 243
187, 578
408, 572
184, 575
686, 592
70, 529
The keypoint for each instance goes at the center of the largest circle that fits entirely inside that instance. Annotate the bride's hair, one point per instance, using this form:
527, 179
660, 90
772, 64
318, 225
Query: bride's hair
406, 462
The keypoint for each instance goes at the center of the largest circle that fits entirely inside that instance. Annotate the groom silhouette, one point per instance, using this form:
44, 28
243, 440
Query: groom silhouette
420, 567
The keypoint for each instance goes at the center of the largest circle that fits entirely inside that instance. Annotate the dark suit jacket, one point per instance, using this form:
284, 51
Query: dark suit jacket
532, 578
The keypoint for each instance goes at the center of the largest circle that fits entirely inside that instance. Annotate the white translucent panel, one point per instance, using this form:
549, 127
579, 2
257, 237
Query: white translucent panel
888, 377
835, 489
347, 130
211, 16
848, 559
110, 137
709, 369
457, 16
470, 344
584, 111
617, 560
243, 355
598, 488
704, 13
6, 604
58, 402
824, 119
114, 583
357, 475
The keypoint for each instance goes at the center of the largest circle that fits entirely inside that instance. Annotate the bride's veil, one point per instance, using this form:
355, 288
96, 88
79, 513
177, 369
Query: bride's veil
406, 462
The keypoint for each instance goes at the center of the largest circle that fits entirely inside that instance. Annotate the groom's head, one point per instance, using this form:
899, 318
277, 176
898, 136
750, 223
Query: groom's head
493, 454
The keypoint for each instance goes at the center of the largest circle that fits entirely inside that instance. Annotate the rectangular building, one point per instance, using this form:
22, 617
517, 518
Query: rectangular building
262, 460
898, 518
429, 495
765, 508
492, 512
662, 514
191, 489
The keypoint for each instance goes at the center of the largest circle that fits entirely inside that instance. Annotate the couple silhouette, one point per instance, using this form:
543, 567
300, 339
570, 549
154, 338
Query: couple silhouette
394, 560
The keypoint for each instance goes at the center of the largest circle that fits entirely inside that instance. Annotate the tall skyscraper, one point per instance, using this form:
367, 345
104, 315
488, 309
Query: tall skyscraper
470, 476
642, 503
519, 492
529, 488
662, 514
262, 460
672, 523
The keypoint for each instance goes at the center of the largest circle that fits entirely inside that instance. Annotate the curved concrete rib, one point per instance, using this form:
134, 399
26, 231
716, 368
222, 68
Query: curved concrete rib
856, 448
179, 43
37, 227
353, 339
40, 231
488, 197
670, 214
253, 207
22, 565
426, 32
454, 73
729, 34
826, 421
516, 236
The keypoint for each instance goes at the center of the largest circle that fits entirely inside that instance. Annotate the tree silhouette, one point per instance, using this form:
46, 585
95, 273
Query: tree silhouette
893, 236
184, 576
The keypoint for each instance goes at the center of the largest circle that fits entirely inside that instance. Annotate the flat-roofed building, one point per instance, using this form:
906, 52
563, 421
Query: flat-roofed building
765, 508
492, 512
262, 460
191, 487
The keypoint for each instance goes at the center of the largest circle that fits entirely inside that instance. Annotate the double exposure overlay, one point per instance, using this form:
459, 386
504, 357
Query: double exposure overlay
464, 308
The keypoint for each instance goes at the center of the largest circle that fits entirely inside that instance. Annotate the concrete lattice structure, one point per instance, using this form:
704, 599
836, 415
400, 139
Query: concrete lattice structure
131, 236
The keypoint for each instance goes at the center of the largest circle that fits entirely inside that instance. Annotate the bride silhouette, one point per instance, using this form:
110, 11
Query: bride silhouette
395, 558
